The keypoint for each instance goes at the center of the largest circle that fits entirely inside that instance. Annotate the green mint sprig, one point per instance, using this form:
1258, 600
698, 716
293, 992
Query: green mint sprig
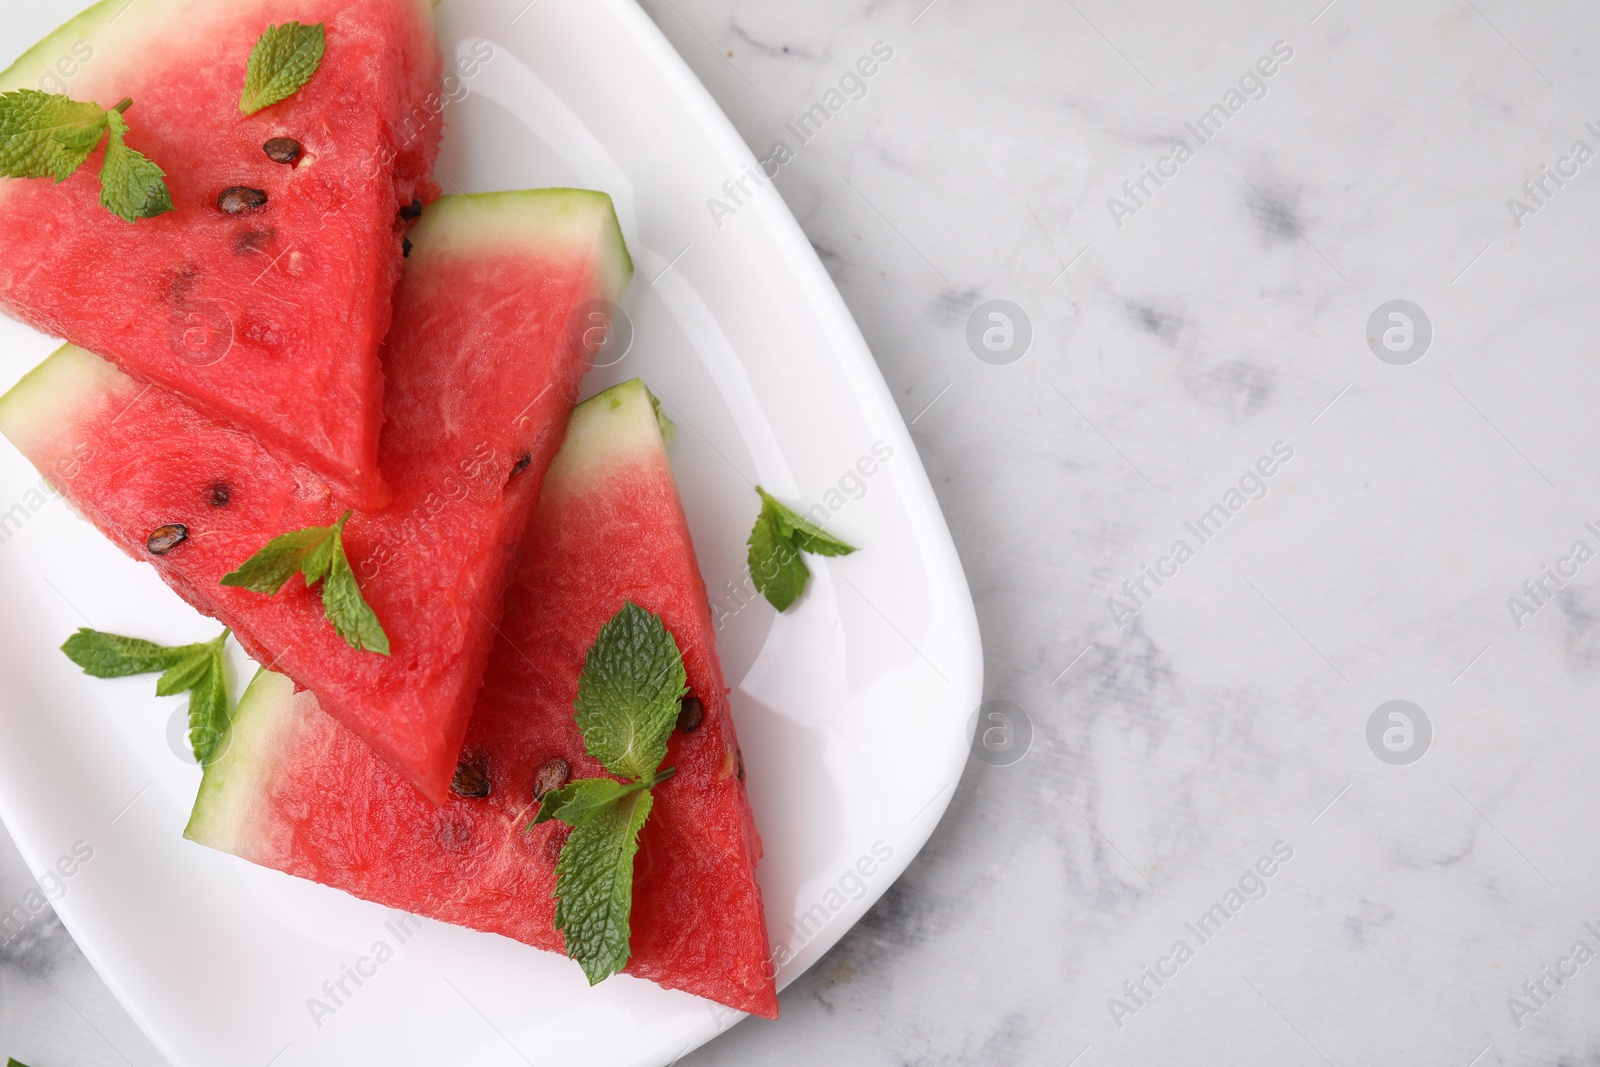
628, 702
43, 135
14, 1063
316, 552
776, 541
281, 63
194, 669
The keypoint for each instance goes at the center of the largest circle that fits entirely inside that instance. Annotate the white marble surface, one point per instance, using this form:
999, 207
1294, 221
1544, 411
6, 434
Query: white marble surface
1227, 313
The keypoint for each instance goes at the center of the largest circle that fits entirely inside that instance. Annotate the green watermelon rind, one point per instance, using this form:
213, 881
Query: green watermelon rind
616, 423
464, 222
236, 781
44, 55
49, 402
25, 71
605, 430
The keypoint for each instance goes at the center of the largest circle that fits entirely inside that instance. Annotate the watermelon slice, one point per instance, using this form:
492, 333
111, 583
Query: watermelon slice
483, 370
270, 319
295, 791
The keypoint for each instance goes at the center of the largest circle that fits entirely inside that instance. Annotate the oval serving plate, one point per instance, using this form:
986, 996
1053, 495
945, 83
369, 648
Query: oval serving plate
854, 709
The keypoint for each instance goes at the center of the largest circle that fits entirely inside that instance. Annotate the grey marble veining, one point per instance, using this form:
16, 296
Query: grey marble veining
1190, 736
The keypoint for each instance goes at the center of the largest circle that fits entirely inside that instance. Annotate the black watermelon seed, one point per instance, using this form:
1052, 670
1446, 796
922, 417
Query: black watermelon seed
469, 781
690, 714
522, 464
241, 199
164, 539
739, 757
553, 775
405, 247
282, 149
412, 211
219, 494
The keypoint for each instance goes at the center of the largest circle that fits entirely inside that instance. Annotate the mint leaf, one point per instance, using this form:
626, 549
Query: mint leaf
628, 693
347, 609
131, 186
805, 534
187, 672
576, 803
627, 706
196, 669
50, 136
283, 60
594, 885
46, 136
775, 564
317, 553
104, 655
208, 706
285, 556
776, 541
14, 1063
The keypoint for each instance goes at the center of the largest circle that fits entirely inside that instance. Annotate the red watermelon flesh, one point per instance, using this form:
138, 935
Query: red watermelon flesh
270, 320
295, 791
483, 368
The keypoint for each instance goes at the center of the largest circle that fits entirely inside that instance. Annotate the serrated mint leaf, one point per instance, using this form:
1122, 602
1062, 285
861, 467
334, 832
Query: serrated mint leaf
628, 703
283, 60
208, 706
197, 669
282, 558
594, 885
806, 534
628, 693
776, 541
186, 673
47, 136
104, 655
131, 186
575, 803
347, 609
776, 568
14, 1063
317, 553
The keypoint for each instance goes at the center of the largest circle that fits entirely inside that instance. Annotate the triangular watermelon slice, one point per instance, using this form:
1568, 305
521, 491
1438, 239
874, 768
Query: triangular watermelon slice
609, 529
483, 367
270, 319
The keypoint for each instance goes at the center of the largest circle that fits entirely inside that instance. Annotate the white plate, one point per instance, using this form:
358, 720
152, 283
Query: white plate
855, 709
